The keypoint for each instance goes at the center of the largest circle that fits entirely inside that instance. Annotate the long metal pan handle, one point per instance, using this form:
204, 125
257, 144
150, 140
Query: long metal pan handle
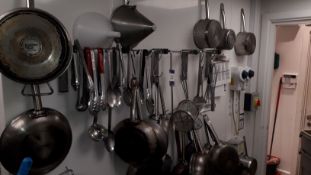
211, 129
243, 20
36, 97
197, 141
206, 9
223, 15
30, 4
245, 146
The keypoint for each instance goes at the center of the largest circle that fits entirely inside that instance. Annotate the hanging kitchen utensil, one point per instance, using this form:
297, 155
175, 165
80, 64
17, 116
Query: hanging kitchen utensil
85, 79
182, 167
164, 117
101, 68
150, 103
228, 35
211, 74
206, 32
249, 163
207, 146
43, 134
156, 165
184, 73
142, 73
207, 75
96, 131
184, 118
94, 30
127, 91
114, 95
160, 133
223, 159
109, 140
75, 69
190, 148
32, 39
133, 26
199, 161
200, 28
199, 100
246, 41
137, 140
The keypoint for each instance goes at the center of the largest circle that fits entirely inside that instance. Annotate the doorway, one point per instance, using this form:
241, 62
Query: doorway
265, 80
292, 48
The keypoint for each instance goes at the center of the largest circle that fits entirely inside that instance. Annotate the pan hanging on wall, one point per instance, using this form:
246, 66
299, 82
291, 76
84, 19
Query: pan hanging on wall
35, 48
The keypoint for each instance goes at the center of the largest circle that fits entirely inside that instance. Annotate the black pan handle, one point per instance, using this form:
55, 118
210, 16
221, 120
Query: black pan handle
184, 66
63, 83
82, 104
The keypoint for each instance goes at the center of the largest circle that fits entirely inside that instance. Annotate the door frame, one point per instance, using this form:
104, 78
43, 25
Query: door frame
265, 73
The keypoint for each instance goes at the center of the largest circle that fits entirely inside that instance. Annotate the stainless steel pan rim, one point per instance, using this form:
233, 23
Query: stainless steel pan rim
33, 46
31, 134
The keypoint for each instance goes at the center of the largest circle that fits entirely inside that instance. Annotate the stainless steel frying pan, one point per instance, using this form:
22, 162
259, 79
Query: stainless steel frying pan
34, 45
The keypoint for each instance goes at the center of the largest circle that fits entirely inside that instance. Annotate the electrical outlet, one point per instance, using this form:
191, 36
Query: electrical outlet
240, 77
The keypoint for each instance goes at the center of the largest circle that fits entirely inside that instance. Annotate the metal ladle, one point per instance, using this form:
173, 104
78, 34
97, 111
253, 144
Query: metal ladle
97, 132
109, 139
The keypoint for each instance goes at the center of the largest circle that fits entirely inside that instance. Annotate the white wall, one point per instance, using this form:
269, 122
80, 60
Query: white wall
175, 20
292, 44
277, 6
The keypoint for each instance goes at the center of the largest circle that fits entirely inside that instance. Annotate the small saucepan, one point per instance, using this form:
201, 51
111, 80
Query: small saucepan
137, 140
199, 160
246, 41
223, 158
248, 163
228, 35
207, 32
